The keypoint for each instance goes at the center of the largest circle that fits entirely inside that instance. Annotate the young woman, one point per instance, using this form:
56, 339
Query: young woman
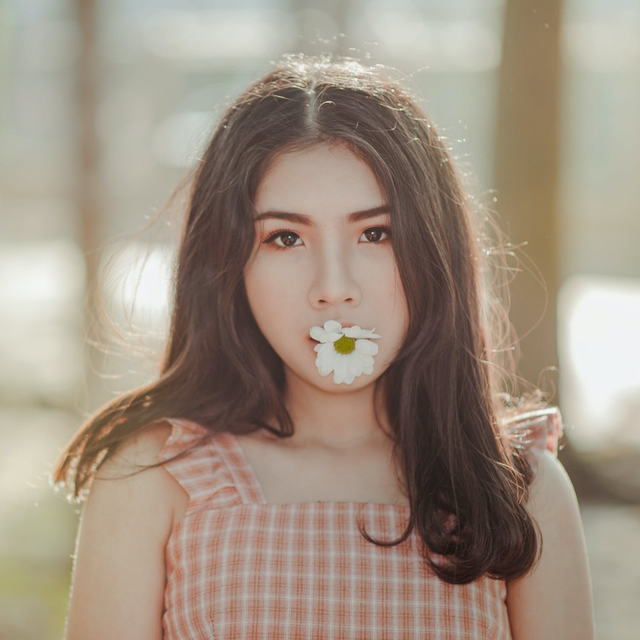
329, 450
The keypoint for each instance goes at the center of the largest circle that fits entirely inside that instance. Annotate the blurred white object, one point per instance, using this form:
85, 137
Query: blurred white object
599, 352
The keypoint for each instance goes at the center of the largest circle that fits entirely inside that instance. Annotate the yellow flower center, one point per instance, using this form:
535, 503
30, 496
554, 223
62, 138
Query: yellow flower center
345, 345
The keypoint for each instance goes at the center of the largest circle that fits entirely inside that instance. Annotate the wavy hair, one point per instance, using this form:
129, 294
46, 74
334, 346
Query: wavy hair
452, 382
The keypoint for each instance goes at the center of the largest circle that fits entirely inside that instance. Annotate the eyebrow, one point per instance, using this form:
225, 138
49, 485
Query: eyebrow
356, 216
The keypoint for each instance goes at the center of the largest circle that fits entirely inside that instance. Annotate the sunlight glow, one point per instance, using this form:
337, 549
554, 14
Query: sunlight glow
599, 342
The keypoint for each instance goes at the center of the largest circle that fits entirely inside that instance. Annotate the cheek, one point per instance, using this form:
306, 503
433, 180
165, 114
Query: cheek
271, 291
386, 293
383, 279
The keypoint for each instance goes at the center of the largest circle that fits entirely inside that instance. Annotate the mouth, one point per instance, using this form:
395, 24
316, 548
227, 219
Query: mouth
344, 326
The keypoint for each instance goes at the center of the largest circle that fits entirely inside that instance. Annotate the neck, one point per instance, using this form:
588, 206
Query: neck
336, 421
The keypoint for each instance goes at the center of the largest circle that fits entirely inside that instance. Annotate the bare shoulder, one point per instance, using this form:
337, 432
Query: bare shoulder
119, 570
554, 600
159, 485
551, 491
143, 448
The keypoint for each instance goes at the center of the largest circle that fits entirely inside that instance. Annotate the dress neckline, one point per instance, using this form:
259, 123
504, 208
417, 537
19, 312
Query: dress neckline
258, 496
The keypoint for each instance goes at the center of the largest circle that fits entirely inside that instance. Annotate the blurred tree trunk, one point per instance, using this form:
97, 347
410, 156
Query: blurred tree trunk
87, 192
527, 177
527, 166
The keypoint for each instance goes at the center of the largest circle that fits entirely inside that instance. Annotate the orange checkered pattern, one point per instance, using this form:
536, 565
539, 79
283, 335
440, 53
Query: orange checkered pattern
239, 568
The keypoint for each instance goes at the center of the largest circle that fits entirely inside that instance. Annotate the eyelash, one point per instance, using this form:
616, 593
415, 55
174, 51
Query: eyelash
280, 232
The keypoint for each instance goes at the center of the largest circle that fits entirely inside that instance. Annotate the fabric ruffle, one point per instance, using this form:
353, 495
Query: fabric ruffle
201, 472
534, 431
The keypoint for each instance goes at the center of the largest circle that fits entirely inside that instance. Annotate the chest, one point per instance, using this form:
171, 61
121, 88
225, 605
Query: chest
287, 477
290, 570
314, 475
240, 567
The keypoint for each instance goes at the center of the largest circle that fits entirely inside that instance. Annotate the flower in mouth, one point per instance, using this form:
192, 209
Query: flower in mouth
348, 351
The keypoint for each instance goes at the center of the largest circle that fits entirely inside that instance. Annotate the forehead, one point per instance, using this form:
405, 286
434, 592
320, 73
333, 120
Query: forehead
318, 181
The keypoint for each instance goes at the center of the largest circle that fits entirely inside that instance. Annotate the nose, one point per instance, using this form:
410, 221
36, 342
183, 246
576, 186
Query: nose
334, 280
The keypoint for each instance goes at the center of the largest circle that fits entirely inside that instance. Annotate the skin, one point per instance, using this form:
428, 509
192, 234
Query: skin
330, 271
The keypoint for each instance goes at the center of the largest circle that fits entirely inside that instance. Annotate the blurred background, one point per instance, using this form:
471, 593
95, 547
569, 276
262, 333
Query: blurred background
104, 106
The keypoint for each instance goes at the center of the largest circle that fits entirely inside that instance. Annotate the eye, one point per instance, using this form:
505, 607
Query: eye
287, 235
276, 234
378, 230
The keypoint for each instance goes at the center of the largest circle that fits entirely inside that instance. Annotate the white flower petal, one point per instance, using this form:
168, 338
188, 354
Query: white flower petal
355, 364
350, 378
322, 362
328, 337
340, 368
331, 326
316, 332
366, 360
324, 347
325, 365
352, 332
365, 363
325, 368
366, 347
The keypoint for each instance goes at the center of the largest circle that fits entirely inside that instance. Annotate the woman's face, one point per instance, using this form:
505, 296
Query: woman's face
320, 265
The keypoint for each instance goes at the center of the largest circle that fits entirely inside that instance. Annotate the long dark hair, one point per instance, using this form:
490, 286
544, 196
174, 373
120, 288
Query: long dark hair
451, 382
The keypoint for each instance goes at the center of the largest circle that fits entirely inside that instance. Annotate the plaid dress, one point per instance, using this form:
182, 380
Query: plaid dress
239, 568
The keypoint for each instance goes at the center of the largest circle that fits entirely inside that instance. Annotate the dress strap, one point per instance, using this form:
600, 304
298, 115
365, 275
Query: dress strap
201, 472
535, 431
241, 472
